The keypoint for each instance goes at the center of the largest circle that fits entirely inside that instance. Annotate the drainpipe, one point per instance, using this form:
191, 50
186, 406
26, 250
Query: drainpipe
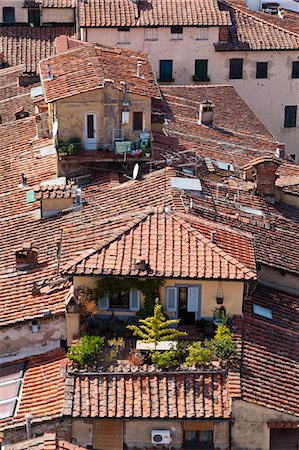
28, 426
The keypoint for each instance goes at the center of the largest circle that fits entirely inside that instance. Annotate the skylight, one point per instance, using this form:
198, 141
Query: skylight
10, 383
262, 311
224, 166
186, 184
248, 210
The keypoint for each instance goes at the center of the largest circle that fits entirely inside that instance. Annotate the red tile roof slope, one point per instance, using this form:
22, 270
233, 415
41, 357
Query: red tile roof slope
10, 106
168, 246
148, 396
119, 13
27, 45
86, 68
253, 30
270, 352
48, 441
42, 393
236, 137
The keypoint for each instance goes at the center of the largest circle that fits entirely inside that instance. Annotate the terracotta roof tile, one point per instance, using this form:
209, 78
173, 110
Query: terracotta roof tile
270, 352
118, 13
87, 67
149, 395
22, 44
42, 393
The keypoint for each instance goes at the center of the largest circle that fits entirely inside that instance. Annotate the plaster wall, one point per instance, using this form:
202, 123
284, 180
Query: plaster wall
249, 429
138, 434
18, 341
21, 14
82, 432
287, 199
72, 326
106, 104
279, 278
51, 207
232, 292
266, 97
58, 15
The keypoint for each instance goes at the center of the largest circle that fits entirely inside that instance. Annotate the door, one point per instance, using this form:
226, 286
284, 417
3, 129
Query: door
189, 304
90, 131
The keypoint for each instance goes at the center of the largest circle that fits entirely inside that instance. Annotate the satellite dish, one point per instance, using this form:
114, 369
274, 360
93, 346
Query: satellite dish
135, 171
55, 129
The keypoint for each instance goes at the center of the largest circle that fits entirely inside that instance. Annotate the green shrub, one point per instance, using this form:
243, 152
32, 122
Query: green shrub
223, 345
202, 324
165, 360
198, 355
86, 351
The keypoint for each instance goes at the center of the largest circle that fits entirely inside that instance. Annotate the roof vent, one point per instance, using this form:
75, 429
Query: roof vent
206, 113
26, 255
50, 77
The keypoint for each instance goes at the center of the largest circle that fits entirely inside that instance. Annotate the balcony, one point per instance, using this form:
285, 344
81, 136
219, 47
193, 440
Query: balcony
119, 150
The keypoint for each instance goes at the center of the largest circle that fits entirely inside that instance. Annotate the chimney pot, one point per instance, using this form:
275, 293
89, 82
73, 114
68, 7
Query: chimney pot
206, 113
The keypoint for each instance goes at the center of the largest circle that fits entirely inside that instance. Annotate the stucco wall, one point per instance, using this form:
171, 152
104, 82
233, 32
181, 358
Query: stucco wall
51, 207
82, 432
250, 430
106, 103
138, 434
232, 291
288, 199
18, 341
267, 97
279, 278
58, 15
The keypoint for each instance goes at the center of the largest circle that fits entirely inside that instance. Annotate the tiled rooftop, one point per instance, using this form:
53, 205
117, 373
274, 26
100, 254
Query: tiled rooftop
27, 45
161, 244
270, 352
253, 30
42, 392
148, 396
86, 68
118, 13
48, 441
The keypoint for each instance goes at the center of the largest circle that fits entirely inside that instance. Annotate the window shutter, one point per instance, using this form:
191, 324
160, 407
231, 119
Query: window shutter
103, 303
171, 299
290, 116
193, 304
201, 69
134, 300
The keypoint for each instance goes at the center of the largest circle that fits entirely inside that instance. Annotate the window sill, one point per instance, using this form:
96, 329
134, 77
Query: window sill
195, 78
123, 43
151, 40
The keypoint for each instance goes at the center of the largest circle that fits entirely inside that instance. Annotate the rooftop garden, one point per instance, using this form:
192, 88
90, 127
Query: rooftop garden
160, 346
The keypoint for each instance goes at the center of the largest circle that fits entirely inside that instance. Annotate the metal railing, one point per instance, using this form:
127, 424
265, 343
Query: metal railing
134, 148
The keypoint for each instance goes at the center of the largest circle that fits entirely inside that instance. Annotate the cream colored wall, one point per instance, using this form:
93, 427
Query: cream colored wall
138, 434
232, 291
106, 103
51, 207
72, 326
266, 97
18, 341
21, 14
58, 15
249, 428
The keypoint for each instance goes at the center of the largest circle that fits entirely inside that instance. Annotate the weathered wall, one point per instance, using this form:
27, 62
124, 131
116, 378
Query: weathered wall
287, 199
138, 434
82, 432
250, 430
62, 428
51, 207
58, 15
18, 341
232, 291
266, 97
21, 14
279, 278
106, 104
72, 326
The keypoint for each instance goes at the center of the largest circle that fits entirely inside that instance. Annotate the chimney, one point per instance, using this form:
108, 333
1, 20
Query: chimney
26, 256
206, 113
280, 151
262, 171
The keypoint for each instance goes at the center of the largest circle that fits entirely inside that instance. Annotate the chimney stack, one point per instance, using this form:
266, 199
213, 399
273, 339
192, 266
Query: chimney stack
262, 171
280, 151
206, 113
26, 256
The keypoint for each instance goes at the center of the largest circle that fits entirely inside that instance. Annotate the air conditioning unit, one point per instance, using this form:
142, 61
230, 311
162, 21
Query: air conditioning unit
161, 437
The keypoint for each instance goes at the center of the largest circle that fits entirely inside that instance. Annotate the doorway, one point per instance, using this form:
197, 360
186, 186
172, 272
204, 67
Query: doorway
189, 304
90, 131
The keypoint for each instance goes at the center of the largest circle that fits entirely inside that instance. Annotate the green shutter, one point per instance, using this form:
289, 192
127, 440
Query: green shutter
201, 70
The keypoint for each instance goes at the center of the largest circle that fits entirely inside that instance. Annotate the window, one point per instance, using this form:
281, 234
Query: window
261, 70
197, 437
236, 69
201, 70
129, 300
295, 69
290, 116
262, 311
166, 70
176, 32
21, 115
138, 121
123, 35
34, 17
8, 14
151, 34
202, 33
284, 439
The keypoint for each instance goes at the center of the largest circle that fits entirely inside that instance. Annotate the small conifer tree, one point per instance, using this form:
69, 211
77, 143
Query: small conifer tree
156, 328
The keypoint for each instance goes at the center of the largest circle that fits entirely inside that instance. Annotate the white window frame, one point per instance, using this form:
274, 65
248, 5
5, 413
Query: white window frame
177, 36
202, 34
176, 310
131, 308
151, 34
